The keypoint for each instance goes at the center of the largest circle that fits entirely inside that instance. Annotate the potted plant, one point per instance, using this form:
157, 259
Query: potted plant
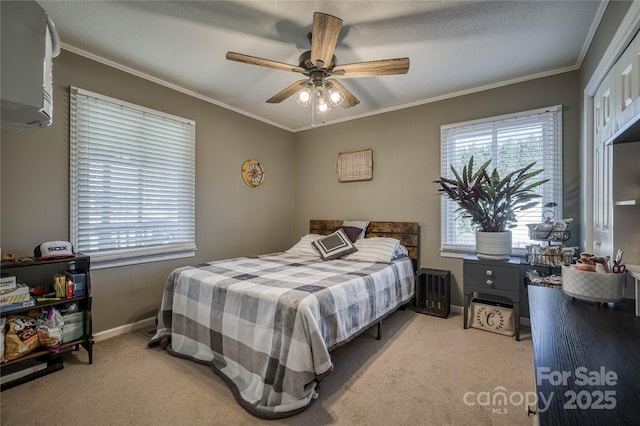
490, 202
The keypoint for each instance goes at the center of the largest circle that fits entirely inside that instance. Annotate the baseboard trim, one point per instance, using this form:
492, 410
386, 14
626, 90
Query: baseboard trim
457, 309
150, 322
124, 329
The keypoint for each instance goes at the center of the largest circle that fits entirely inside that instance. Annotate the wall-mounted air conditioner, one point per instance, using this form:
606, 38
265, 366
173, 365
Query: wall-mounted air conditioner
29, 43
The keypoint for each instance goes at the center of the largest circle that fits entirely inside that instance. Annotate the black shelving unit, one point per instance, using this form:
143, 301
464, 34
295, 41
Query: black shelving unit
35, 273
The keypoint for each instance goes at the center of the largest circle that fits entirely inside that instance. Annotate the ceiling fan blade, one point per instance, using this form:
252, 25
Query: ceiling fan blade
324, 38
289, 91
372, 68
239, 57
349, 99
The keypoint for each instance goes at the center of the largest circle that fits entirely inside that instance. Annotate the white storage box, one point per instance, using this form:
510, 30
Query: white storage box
14, 295
7, 282
592, 286
73, 331
76, 317
73, 327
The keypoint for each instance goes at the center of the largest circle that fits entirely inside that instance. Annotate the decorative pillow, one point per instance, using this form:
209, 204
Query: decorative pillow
334, 245
375, 249
362, 224
303, 247
352, 232
400, 251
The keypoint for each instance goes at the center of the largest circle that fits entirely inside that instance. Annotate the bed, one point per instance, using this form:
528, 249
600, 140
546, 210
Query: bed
266, 324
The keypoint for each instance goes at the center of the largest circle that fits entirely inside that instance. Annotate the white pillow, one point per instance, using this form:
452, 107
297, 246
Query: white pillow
376, 249
362, 224
303, 247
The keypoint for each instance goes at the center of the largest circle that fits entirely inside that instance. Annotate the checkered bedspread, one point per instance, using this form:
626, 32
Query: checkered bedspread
266, 324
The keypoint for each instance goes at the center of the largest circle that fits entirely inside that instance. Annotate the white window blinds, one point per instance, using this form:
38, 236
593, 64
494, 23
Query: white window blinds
511, 141
132, 181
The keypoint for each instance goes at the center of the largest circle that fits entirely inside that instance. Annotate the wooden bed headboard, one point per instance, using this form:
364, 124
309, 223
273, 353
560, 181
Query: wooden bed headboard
407, 232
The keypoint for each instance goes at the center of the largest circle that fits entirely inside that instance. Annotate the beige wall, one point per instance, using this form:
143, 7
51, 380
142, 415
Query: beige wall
231, 218
406, 150
300, 183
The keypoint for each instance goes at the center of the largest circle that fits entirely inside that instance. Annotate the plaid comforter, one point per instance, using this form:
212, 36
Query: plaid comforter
266, 324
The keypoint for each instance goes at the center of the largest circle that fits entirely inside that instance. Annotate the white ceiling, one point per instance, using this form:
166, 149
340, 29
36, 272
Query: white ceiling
455, 47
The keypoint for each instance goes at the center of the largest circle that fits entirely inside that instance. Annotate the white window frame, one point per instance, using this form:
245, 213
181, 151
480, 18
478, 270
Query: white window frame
156, 220
461, 135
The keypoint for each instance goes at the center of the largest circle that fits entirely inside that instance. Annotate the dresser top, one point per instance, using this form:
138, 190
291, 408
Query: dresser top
512, 260
586, 359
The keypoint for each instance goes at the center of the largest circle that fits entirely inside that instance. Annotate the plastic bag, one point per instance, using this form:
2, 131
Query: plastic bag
49, 325
69, 308
22, 336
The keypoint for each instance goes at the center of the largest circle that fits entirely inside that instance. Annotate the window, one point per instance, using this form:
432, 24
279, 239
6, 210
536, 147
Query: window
511, 141
132, 182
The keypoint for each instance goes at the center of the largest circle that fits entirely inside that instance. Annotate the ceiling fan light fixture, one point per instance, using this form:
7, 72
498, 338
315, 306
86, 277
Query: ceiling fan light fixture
335, 96
321, 100
318, 64
303, 98
323, 107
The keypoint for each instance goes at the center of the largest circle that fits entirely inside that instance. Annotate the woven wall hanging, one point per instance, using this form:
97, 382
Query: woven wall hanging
355, 165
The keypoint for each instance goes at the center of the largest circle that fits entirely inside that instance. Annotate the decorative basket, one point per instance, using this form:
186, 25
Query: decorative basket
554, 256
492, 316
541, 233
592, 286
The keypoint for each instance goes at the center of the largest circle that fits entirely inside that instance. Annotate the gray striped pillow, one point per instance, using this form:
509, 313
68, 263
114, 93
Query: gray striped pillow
375, 249
362, 224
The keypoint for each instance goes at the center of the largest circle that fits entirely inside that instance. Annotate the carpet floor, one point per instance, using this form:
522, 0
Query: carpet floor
425, 371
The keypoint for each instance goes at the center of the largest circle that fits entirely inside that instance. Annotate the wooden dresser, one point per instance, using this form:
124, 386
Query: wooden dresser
586, 360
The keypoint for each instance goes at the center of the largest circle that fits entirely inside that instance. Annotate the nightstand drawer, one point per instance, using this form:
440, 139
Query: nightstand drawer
479, 277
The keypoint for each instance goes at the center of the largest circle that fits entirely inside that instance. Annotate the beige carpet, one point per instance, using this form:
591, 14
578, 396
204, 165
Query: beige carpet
418, 374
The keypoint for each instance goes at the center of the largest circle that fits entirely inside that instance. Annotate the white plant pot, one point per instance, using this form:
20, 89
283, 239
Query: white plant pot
493, 245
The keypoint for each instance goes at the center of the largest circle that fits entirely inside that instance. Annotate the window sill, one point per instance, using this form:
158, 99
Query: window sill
97, 263
455, 254
460, 254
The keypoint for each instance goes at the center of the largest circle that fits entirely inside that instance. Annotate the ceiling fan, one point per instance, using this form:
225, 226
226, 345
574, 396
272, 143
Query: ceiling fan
322, 70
